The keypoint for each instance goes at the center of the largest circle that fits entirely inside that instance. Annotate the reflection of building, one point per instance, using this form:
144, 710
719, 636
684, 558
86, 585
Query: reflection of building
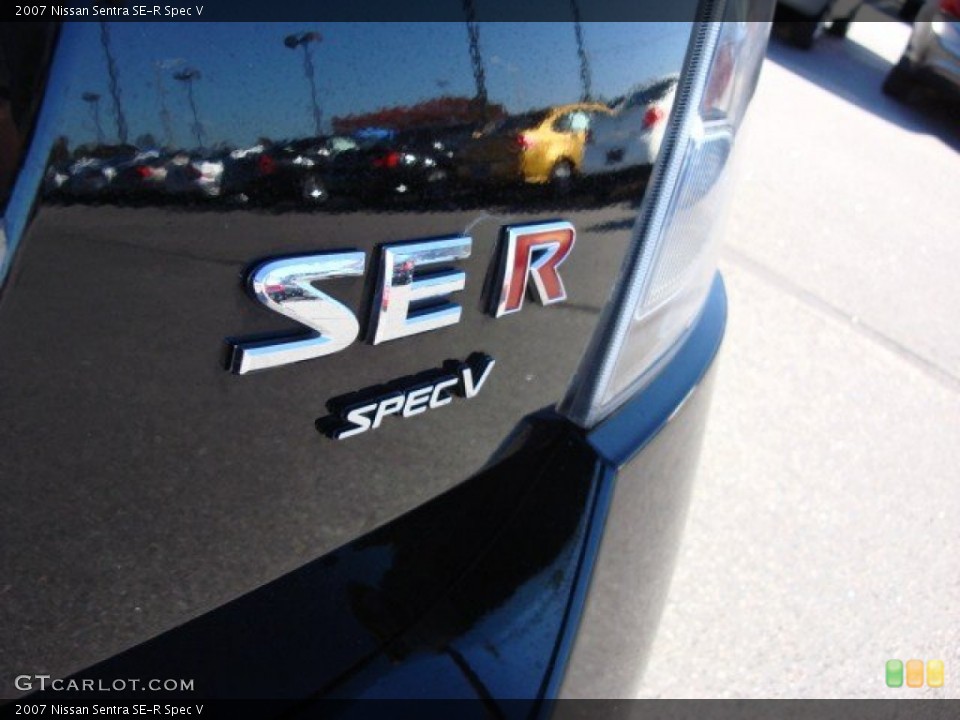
438, 112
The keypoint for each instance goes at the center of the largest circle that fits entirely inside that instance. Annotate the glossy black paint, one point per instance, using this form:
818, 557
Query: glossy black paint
25, 51
169, 519
303, 634
154, 486
477, 593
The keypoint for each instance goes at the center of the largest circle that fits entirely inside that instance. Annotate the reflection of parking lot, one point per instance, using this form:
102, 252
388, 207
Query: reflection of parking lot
583, 151
823, 536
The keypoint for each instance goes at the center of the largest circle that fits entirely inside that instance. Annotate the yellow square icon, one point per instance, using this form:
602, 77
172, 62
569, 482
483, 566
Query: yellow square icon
935, 673
915, 673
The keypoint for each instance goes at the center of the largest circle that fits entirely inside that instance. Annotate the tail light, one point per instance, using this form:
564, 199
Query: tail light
274, 290
192, 171
143, 172
267, 165
652, 116
950, 7
525, 142
390, 160
671, 264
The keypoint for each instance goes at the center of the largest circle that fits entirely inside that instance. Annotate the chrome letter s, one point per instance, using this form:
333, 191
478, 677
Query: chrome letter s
286, 286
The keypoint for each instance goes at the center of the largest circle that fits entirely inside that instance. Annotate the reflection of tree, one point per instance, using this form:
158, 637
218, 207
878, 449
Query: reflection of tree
114, 83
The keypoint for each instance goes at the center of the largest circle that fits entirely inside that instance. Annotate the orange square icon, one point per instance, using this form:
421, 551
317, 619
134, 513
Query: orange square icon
915, 673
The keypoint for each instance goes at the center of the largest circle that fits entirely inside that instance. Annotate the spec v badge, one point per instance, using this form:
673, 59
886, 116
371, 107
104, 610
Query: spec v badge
407, 300
366, 409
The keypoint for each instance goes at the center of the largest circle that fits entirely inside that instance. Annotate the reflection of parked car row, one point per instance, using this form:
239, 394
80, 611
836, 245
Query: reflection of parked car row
558, 147
124, 171
931, 60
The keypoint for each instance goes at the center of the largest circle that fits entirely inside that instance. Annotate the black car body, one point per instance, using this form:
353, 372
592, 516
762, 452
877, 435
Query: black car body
285, 171
503, 521
372, 165
386, 164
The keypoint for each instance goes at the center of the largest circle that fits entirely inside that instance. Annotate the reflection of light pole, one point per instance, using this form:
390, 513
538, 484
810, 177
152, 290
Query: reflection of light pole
158, 66
303, 40
93, 99
187, 76
473, 35
581, 52
114, 83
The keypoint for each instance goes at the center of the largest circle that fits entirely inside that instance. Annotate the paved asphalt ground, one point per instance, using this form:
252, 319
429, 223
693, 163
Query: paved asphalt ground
824, 534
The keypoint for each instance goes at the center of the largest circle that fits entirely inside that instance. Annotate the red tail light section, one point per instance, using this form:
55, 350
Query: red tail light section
525, 142
653, 115
950, 7
266, 164
390, 160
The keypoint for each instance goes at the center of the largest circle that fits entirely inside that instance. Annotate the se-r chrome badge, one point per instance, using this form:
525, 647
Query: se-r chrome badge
407, 300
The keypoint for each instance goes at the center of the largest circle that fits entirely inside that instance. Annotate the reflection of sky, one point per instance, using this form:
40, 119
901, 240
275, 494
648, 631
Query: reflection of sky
252, 85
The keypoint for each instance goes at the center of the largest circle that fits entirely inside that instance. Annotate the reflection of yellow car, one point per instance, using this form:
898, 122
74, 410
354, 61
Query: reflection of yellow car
536, 147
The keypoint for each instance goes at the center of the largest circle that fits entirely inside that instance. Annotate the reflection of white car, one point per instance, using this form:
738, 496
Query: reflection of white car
631, 136
194, 176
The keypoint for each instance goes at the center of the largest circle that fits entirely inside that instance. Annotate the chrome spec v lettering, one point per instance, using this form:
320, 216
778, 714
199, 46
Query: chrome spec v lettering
412, 292
365, 410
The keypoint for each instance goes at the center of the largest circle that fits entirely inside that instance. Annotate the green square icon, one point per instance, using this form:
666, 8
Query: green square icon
894, 673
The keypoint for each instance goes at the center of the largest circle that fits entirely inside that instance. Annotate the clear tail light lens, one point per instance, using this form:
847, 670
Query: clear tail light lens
672, 259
